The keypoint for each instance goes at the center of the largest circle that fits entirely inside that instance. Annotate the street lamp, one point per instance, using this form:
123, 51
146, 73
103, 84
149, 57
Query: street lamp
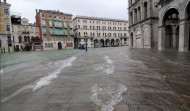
85, 35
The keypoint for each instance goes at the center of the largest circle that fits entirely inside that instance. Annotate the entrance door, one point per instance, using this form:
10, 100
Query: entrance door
59, 46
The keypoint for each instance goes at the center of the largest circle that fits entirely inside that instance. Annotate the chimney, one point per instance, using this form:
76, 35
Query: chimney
5, 1
36, 11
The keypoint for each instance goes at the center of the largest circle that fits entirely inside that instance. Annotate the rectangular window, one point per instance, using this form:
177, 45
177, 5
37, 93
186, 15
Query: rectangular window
8, 27
71, 31
44, 30
43, 15
51, 30
50, 16
65, 24
65, 31
57, 38
50, 23
43, 22
58, 24
52, 38
61, 38
45, 38
6, 13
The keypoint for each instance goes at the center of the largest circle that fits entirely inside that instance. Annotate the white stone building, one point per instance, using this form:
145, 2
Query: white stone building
101, 32
24, 34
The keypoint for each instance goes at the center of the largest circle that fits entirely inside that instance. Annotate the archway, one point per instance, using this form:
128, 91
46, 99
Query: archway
113, 43
168, 35
96, 43
59, 46
170, 22
102, 43
107, 43
117, 42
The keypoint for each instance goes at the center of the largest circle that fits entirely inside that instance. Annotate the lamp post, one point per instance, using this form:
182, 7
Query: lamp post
86, 40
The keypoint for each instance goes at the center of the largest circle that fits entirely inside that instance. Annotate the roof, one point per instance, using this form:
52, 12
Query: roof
99, 18
55, 12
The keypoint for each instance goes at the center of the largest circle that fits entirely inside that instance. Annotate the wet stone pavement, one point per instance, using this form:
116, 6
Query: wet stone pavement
103, 79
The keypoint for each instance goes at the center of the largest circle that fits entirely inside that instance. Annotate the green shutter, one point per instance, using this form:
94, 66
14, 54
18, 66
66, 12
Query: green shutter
45, 38
65, 24
50, 23
65, 31
52, 38
43, 22
44, 30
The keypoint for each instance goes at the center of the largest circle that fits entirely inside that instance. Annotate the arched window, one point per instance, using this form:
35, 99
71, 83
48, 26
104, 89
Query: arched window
145, 10
135, 16
20, 39
51, 44
131, 17
46, 45
25, 39
139, 13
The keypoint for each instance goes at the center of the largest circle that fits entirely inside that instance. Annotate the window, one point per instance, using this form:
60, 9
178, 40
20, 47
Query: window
49, 16
43, 22
78, 20
52, 38
60, 18
79, 33
54, 17
6, 13
20, 39
145, 10
45, 38
43, 15
8, 27
79, 26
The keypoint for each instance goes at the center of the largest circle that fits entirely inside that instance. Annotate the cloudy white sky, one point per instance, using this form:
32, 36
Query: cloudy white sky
100, 8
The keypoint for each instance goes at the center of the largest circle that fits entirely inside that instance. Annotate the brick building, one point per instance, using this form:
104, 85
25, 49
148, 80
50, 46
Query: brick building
55, 29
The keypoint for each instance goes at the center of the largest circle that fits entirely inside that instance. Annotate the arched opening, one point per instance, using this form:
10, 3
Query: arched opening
168, 35
25, 39
20, 39
132, 40
145, 10
139, 13
131, 18
59, 46
51, 44
117, 42
28, 38
107, 43
102, 43
135, 16
113, 43
171, 24
96, 43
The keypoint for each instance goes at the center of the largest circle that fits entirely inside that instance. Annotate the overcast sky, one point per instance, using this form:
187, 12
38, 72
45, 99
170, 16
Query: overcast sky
99, 8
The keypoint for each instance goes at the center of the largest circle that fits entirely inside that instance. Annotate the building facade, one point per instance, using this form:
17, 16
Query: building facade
55, 29
174, 25
100, 32
143, 23
24, 35
5, 27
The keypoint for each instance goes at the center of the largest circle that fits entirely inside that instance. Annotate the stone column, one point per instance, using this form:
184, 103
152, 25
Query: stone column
161, 38
174, 36
183, 36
